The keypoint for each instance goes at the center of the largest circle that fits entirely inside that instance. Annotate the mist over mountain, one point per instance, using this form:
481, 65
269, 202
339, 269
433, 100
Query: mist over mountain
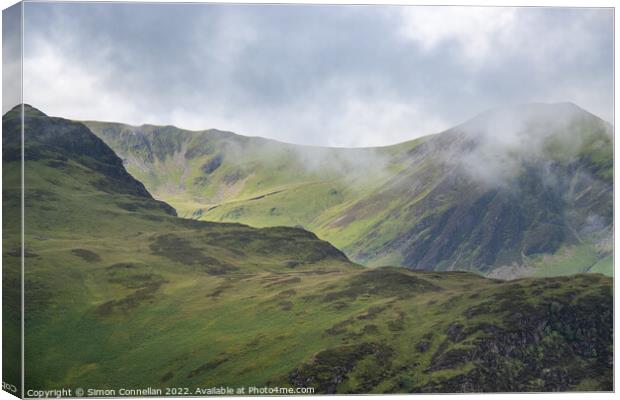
513, 191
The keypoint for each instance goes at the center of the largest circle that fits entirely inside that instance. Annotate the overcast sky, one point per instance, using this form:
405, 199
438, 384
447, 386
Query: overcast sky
321, 75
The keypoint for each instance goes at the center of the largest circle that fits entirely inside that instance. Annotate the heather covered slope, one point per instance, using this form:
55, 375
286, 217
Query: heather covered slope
519, 191
121, 293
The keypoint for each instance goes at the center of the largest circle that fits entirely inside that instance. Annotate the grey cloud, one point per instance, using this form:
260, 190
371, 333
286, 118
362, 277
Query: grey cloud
320, 75
11, 57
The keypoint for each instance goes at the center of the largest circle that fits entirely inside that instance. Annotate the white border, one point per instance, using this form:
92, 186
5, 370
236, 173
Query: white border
555, 3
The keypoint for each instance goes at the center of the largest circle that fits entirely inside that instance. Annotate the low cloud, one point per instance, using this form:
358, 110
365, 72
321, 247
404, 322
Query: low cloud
494, 147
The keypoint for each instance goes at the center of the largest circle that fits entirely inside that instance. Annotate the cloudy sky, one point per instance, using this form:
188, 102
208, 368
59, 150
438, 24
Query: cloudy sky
321, 75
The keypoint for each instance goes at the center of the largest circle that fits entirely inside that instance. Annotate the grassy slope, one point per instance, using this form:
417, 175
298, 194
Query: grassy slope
98, 246
257, 181
385, 206
121, 293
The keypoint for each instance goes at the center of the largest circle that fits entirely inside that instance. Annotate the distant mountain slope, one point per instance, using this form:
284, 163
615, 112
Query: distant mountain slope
120, 293
203, 171
515, 191
496, 194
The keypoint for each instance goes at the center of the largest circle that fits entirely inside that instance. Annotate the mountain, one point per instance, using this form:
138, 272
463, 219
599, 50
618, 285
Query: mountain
72, 177
122, 293
98, 246
525, 190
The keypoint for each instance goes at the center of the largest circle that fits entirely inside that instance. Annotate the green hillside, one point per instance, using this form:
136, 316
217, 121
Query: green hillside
514, 190
121, 293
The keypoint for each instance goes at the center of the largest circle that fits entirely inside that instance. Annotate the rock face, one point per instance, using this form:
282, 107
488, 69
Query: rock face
501, 226
535, 350
498, 191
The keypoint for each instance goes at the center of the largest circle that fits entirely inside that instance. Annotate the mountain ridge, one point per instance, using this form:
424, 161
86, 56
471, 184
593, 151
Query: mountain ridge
227, 132
355, 198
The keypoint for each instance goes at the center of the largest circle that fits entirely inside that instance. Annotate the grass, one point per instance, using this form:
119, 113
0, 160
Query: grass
571, 260
245, 327
604, 266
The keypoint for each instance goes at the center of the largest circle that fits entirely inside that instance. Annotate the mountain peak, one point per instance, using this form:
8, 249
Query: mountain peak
33, 112
535, 118
29, 111
533, 112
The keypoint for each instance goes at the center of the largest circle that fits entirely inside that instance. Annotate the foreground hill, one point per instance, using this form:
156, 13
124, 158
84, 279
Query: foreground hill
517, 191
121, 293
97, 243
